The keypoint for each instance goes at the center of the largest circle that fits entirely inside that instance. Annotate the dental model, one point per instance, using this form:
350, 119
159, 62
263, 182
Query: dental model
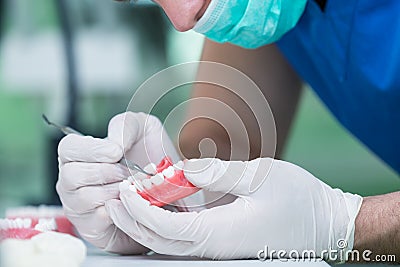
25, 243
43, 213
17, 228
166, 186
20, 228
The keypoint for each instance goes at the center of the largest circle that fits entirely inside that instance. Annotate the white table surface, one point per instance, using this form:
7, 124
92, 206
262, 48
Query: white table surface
96, 259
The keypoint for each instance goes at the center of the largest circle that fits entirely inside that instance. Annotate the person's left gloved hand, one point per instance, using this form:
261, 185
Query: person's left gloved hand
89, 174
288, 210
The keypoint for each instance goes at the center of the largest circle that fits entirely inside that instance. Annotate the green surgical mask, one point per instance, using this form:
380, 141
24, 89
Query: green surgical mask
249, 23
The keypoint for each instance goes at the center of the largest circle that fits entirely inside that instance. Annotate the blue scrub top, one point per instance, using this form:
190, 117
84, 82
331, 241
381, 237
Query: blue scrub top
349, 53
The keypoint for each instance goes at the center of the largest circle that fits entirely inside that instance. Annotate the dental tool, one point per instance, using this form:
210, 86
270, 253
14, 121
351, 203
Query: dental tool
125, 162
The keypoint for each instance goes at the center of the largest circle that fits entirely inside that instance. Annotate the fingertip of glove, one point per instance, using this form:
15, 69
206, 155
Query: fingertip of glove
66, 142
107, 152
198, 170
128, 190
124, 186
123, 129
130, 198
88, 149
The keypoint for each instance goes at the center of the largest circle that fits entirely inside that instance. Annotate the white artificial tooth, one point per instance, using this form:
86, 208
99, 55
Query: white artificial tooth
27, 223
131, 179
179, 165
139, 176
46, 225
124, 185
8, 224
157, 179
150, 168
138, 185
53, 224
19, 223
147, 183
40, 227
169, 172
3, 224
132, 188
139, 188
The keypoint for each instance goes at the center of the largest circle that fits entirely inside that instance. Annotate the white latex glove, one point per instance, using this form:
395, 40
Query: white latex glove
89, 175
289, 210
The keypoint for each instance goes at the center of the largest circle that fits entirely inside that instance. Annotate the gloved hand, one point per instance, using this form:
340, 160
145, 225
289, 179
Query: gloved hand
288, 210
89, 175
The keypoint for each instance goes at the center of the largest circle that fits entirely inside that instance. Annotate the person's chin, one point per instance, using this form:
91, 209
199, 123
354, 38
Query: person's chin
183, 26
193, 11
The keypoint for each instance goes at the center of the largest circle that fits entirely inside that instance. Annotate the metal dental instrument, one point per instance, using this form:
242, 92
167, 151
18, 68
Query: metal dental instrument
68, 130
64, 129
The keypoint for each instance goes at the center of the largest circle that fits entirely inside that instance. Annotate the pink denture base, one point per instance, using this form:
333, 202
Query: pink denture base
63, 224
22, 234
171, 190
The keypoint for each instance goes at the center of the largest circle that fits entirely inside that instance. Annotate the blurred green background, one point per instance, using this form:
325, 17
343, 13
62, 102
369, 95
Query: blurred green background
322, 146
118, 47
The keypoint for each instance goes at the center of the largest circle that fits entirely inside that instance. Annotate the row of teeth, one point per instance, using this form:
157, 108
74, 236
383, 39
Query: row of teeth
46, 225
18, 223
141, 181
31, 211
43, 225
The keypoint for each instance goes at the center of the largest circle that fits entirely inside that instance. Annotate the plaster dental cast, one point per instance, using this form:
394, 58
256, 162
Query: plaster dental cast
349, 53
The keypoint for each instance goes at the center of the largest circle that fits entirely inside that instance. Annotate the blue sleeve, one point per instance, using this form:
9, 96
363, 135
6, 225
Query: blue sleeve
350, 55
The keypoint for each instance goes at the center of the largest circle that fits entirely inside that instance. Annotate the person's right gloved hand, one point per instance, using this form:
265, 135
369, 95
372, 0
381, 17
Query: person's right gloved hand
89, 175
280, 207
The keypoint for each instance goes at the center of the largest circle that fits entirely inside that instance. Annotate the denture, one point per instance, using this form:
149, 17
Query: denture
39, 216
168, 185
25, 228
31, 236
